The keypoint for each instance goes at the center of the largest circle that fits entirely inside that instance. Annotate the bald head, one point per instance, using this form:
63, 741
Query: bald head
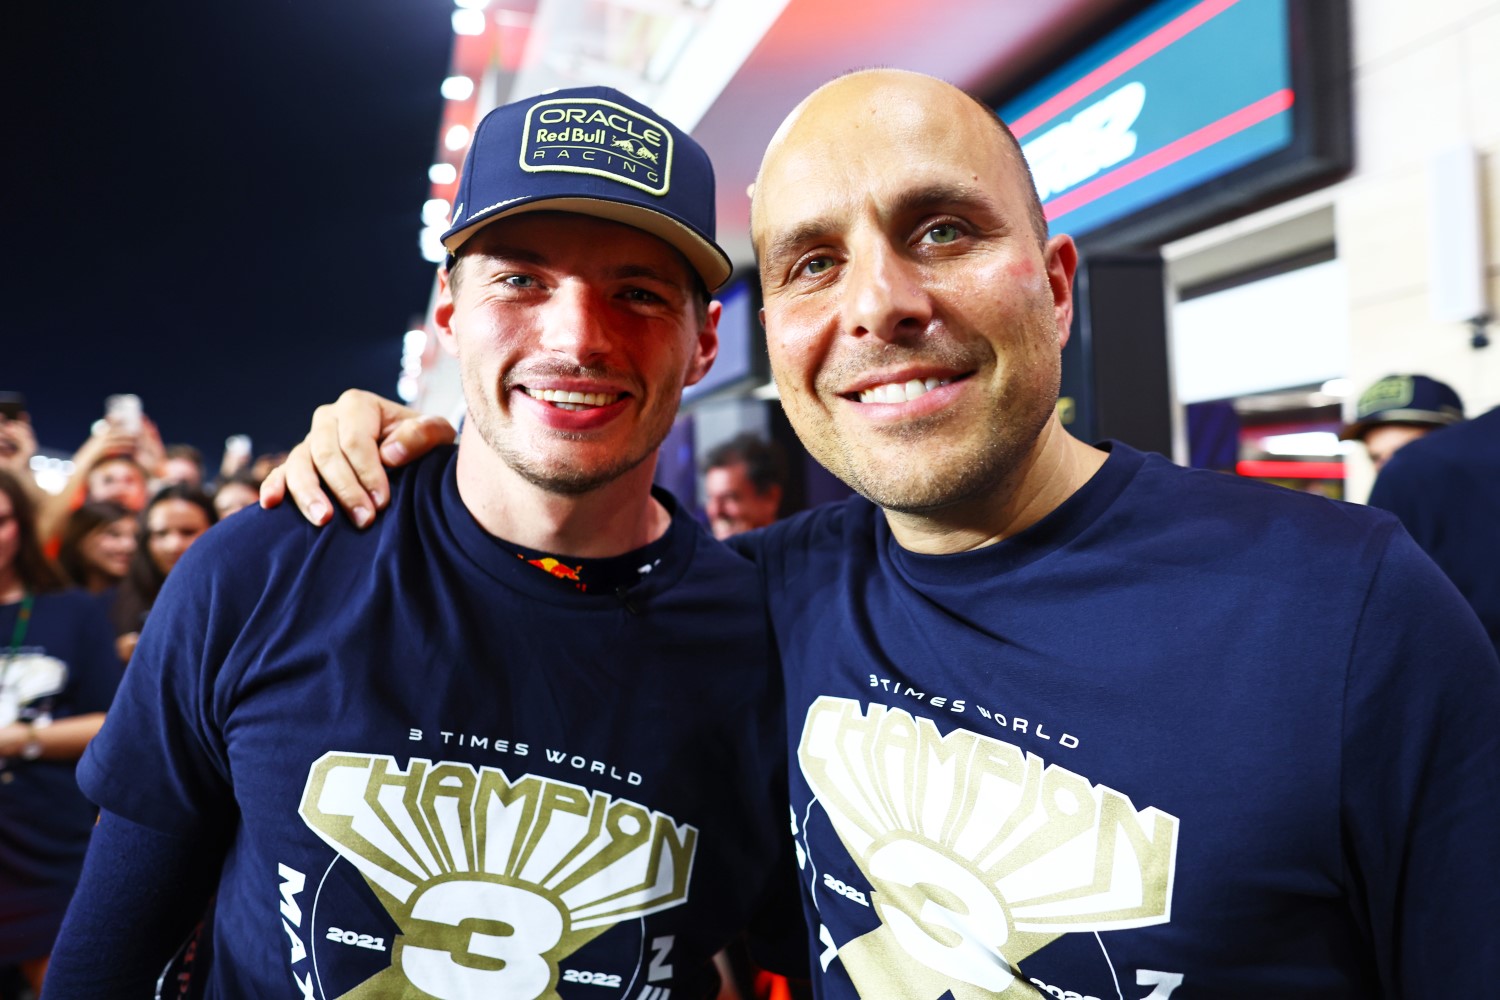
893, 99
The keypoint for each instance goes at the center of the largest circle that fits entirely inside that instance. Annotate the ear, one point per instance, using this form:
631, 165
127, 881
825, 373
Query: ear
442, 314
706, 344
1061, 257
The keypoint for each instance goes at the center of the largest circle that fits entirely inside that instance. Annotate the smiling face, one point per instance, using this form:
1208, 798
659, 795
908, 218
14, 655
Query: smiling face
914, 317
108, 548
575, 337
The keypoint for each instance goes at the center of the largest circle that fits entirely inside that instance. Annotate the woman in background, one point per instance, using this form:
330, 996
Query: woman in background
171, 522
97, 545
57, 676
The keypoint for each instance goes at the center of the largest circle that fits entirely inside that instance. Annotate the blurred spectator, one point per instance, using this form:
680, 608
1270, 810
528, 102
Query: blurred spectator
1399, 409
263, 464
173, 520
115, 463
97, 545
58, 677
1446, 490
183, 464
742, 482
118, 479
236, 493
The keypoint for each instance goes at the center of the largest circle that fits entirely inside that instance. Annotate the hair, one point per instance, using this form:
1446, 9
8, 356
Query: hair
143, 581
186, 451
119, 456
242, 478
84, 521
37, 573
764, 461
1034, 210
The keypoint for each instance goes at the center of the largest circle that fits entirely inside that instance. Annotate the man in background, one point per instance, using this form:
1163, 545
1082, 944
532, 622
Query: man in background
1397, 410
743, 479
1445, 489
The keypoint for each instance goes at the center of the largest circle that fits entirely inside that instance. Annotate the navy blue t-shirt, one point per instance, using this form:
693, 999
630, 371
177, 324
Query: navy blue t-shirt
1185, 737
433, 765
65, 665
1445, 488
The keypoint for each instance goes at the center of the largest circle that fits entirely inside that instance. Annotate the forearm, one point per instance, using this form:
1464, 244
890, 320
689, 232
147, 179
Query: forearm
141, 893
64, 739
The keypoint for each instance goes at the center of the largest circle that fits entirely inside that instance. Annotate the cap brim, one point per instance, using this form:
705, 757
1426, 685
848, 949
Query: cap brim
1426, 418
711, 263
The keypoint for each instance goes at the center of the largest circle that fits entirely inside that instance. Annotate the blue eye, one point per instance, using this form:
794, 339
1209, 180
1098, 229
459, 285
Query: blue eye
520, 281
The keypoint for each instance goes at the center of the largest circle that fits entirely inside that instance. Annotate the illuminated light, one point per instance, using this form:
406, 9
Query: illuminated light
471, 4
458, 88
468, 22
1290, 470
456, 138
414, 341
432, 245
1303, 443
406, 388
442, 173
435, 212
1339, 387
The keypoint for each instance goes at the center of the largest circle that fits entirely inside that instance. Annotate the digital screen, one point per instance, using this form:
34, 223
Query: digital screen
741, 349
1180, 95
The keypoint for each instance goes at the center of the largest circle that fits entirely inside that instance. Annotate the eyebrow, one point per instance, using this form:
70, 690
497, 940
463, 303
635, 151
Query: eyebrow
907, 202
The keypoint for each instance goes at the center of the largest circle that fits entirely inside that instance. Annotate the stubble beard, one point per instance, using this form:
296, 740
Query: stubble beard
912, 471
558, 476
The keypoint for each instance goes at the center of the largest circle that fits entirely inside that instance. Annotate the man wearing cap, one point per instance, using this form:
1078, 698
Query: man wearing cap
494, 746
1445, 489
1397, 410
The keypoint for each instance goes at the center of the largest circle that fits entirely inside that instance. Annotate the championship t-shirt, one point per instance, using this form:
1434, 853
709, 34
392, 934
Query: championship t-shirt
437, 769
1187, 737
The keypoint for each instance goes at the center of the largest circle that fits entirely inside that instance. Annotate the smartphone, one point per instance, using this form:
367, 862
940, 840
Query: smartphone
123, 411
12, 405
238, 445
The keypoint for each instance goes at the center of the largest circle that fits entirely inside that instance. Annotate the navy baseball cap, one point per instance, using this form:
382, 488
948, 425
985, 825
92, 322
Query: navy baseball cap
1404, 399
591, 151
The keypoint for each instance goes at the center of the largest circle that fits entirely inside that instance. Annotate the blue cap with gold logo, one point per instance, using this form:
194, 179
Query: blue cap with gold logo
1404, 399
592, 151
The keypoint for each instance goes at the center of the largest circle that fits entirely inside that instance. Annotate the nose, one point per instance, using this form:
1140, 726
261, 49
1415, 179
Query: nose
884, 293
574, 325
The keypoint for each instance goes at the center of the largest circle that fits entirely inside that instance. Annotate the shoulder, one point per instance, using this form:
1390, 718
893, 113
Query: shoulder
1220, 501
253, 547
829, 526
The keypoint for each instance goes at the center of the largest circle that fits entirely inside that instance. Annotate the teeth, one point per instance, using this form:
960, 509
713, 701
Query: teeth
900, 392
565, 400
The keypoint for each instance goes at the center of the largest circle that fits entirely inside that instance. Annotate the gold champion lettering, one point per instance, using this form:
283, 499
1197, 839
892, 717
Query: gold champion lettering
979, 853
491, 882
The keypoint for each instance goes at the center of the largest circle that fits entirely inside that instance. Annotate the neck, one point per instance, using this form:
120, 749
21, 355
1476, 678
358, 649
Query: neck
11, 587
1055, 468
614, 519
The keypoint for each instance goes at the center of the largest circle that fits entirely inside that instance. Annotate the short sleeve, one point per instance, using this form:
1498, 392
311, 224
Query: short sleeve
160, 760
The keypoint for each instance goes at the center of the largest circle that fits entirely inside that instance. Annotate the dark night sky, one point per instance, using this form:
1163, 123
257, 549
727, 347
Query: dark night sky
214, 205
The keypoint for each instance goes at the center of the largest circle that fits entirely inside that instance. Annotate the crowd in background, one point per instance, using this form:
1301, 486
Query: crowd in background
79, 572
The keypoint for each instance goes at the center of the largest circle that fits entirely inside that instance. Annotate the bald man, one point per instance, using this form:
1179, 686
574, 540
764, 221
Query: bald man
1069, 720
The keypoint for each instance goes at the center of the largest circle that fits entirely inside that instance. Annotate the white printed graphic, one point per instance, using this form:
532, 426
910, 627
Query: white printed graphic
1093, 140
978, 853
492, 882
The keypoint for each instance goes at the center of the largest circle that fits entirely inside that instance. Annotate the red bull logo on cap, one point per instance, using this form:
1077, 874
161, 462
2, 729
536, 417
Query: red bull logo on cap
598, 137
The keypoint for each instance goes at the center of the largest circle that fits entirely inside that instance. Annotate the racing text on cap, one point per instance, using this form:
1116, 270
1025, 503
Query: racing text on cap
591, 136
